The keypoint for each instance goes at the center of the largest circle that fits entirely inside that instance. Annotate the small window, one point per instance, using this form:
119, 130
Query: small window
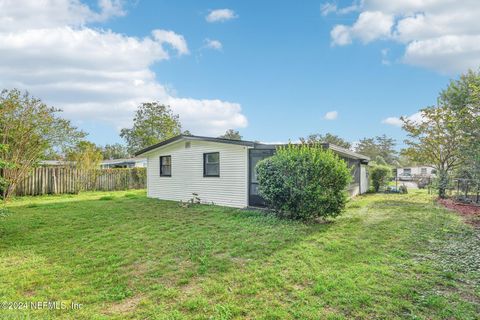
165, 166
211, 164
423, 170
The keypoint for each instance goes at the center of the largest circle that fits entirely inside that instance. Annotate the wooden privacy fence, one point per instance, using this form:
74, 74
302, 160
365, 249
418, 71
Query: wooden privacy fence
70, 180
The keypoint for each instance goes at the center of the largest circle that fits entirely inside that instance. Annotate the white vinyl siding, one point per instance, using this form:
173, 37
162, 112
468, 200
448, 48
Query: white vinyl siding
363, 178
230, 189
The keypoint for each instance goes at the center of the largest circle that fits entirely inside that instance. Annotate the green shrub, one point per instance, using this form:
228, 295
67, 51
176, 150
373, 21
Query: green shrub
380, 175
403, 189
304, 182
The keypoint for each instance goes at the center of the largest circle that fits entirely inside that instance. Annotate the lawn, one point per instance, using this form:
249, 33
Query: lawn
121, 255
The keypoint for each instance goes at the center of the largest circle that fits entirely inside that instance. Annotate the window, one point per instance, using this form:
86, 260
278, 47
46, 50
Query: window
211, 164
407, 171
423, 171
165, 166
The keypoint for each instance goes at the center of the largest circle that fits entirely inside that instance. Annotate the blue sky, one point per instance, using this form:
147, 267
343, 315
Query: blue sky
281, 66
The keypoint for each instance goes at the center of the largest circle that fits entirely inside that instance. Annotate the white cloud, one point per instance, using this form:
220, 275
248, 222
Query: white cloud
447, 54
329, 7
441, 35
213, 44
341, 35
368, 27
397, 122
220, 15
97, 74
175, 40
331, 115
54, 13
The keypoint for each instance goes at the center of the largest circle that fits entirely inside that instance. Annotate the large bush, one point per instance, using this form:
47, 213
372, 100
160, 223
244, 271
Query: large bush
304, 182
380, 174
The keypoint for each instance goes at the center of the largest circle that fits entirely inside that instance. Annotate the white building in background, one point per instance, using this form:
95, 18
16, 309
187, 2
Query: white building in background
418, 171
124, 163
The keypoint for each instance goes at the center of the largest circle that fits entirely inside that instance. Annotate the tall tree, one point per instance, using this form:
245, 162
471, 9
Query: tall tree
4, 165
85, 156
380, 147
114, 151
231, 135
153, 123
327, 138
437, 139
463, 97
30, 129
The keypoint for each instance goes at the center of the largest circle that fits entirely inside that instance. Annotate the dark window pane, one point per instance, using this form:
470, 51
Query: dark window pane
212, 170
213, 157
166, 170
254, 189
165, 165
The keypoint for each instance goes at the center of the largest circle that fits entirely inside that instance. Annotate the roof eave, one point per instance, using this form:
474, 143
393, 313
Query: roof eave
193, 138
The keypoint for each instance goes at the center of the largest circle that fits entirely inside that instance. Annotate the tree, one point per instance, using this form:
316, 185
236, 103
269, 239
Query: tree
463, 97
231, 135
380, 146
85, 156
31, 130
153, 123
436, 139
327, 138
187, 133
380, 174
4, 165
114, 151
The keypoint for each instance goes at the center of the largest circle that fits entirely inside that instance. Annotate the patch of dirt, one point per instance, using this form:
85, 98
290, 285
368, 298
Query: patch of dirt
124, 306
470, 212
29, 293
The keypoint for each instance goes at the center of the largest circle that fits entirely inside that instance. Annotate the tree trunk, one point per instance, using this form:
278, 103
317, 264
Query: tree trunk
442, 183
9, 191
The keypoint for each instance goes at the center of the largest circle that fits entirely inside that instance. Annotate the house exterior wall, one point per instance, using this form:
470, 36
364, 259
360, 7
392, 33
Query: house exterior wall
357, 183
416, 171
364, 178
230, 189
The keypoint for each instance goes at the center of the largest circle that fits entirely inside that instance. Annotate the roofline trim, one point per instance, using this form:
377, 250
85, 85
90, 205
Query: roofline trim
193, 138
251, 144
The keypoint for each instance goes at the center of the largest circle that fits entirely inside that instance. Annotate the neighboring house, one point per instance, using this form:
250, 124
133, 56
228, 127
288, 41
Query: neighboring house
124, 163
221, 171
56, 163
105, 164
418, 171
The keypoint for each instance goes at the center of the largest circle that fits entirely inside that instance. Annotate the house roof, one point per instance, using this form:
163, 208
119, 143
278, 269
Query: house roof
200, 138
252, 144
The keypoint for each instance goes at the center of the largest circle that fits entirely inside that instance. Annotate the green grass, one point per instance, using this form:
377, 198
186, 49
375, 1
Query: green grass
122, 255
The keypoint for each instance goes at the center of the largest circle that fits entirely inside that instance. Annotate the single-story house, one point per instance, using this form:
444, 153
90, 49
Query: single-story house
124, 163
417, 171
221, 171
